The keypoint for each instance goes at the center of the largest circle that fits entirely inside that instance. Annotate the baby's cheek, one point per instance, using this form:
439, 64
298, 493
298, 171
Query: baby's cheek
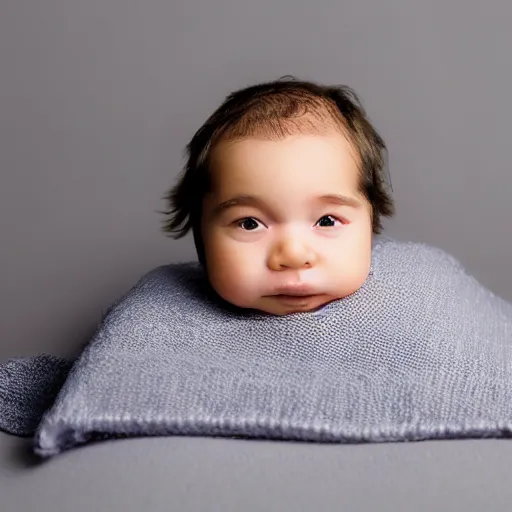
234, 283
358, 275
349, 273
236, 292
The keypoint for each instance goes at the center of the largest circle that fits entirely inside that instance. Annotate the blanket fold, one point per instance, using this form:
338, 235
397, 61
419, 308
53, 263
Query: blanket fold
28, 387
421, 351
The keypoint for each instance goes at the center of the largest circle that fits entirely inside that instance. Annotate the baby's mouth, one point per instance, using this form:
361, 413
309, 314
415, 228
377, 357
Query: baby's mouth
295, 295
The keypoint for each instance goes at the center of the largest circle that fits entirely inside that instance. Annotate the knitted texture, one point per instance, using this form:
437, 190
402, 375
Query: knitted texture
28, 386
422, 350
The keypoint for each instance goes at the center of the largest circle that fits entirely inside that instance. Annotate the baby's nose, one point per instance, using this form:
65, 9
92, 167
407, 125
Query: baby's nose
291, 254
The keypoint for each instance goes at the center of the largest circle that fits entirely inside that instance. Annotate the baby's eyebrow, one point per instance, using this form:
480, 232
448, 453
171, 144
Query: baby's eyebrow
340, 200
258, 202
238, 201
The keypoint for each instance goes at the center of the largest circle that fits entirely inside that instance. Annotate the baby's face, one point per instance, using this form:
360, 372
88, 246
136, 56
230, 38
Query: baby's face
285, 228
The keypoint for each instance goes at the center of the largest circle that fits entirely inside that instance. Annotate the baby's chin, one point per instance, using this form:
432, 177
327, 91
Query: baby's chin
281, 306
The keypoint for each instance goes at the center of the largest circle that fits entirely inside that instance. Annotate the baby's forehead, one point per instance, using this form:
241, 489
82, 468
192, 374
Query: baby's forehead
299, 165
269, 142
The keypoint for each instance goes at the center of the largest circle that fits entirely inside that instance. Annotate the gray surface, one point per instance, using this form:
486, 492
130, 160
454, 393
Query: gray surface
196, 474
97, 100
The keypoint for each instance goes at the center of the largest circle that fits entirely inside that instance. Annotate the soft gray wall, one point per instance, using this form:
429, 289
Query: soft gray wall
98, 99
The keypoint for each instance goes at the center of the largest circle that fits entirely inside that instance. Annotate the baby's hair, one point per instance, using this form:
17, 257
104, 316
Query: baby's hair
275, 110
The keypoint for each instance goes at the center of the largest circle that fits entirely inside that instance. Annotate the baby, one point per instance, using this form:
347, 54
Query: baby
283, 191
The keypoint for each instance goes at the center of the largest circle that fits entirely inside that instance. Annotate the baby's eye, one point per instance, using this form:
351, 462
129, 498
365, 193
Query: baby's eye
248, 224
328, 221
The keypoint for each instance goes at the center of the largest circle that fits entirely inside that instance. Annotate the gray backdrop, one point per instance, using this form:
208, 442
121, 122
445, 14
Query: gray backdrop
99, 98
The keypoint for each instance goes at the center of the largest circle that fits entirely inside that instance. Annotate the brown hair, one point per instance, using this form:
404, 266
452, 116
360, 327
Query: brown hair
276, 109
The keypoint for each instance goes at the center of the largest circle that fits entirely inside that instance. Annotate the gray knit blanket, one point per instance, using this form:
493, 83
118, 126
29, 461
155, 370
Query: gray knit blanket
421, 351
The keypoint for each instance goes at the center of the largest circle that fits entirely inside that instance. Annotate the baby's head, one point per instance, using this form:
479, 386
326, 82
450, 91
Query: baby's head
283, 190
